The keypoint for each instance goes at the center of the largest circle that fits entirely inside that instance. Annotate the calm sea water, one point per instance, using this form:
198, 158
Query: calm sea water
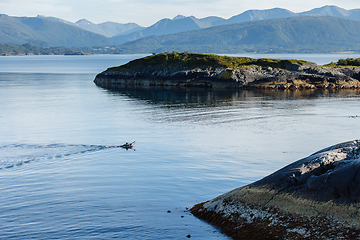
58, 180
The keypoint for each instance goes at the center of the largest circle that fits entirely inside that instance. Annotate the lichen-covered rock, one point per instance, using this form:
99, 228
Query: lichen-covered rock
210, 70
239, 77
317, 197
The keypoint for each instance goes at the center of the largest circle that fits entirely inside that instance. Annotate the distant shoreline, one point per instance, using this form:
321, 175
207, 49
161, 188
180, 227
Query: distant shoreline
29, 50
75, 54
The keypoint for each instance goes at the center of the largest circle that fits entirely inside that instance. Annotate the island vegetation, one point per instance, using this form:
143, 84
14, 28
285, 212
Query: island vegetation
218, 71
190, 60
349, 62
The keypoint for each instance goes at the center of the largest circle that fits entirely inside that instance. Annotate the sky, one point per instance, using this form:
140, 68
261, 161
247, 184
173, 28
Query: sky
147, 12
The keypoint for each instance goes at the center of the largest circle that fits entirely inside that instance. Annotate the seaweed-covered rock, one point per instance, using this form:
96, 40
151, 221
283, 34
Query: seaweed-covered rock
317, 197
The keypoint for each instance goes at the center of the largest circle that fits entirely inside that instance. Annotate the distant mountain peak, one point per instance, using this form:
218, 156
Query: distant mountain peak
328, 10
179, 17
252, 15
55, 19
83, 21
329, 7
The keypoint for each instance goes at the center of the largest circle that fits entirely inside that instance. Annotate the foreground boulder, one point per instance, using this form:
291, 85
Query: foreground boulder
214, 71
317, 197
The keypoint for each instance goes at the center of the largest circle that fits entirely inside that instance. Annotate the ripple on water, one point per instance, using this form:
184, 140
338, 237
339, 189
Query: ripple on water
15, 155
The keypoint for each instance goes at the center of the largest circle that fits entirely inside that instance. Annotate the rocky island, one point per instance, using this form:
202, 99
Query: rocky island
215, 71
317, 197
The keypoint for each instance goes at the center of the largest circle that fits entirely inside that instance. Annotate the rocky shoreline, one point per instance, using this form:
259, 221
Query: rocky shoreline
317, 197
262, 75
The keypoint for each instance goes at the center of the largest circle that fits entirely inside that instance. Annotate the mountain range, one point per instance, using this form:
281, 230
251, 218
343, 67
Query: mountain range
272, 29
296, 34
44, 32
169, 26
108, 29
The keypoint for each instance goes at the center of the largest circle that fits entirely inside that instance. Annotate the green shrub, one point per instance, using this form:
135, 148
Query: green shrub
349, 62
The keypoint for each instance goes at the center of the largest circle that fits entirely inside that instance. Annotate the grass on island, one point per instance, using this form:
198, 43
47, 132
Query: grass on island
190, 60
349, 62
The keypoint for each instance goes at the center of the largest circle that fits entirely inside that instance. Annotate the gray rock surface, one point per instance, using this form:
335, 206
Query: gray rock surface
307, 76
317, 197
332, 174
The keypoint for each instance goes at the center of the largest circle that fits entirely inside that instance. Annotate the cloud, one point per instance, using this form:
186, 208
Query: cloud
147, 12
33, 8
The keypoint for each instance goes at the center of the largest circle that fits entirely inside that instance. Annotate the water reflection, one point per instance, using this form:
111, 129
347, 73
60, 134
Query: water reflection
209, 106
211, 97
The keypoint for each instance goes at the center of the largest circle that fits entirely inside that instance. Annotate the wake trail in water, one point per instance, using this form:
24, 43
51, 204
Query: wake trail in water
12, 155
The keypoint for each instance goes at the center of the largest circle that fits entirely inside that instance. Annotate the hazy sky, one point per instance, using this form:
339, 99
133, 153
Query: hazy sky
147, 12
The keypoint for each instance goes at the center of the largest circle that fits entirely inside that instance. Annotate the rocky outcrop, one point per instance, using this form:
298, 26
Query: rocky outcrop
317, 197
291, 76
